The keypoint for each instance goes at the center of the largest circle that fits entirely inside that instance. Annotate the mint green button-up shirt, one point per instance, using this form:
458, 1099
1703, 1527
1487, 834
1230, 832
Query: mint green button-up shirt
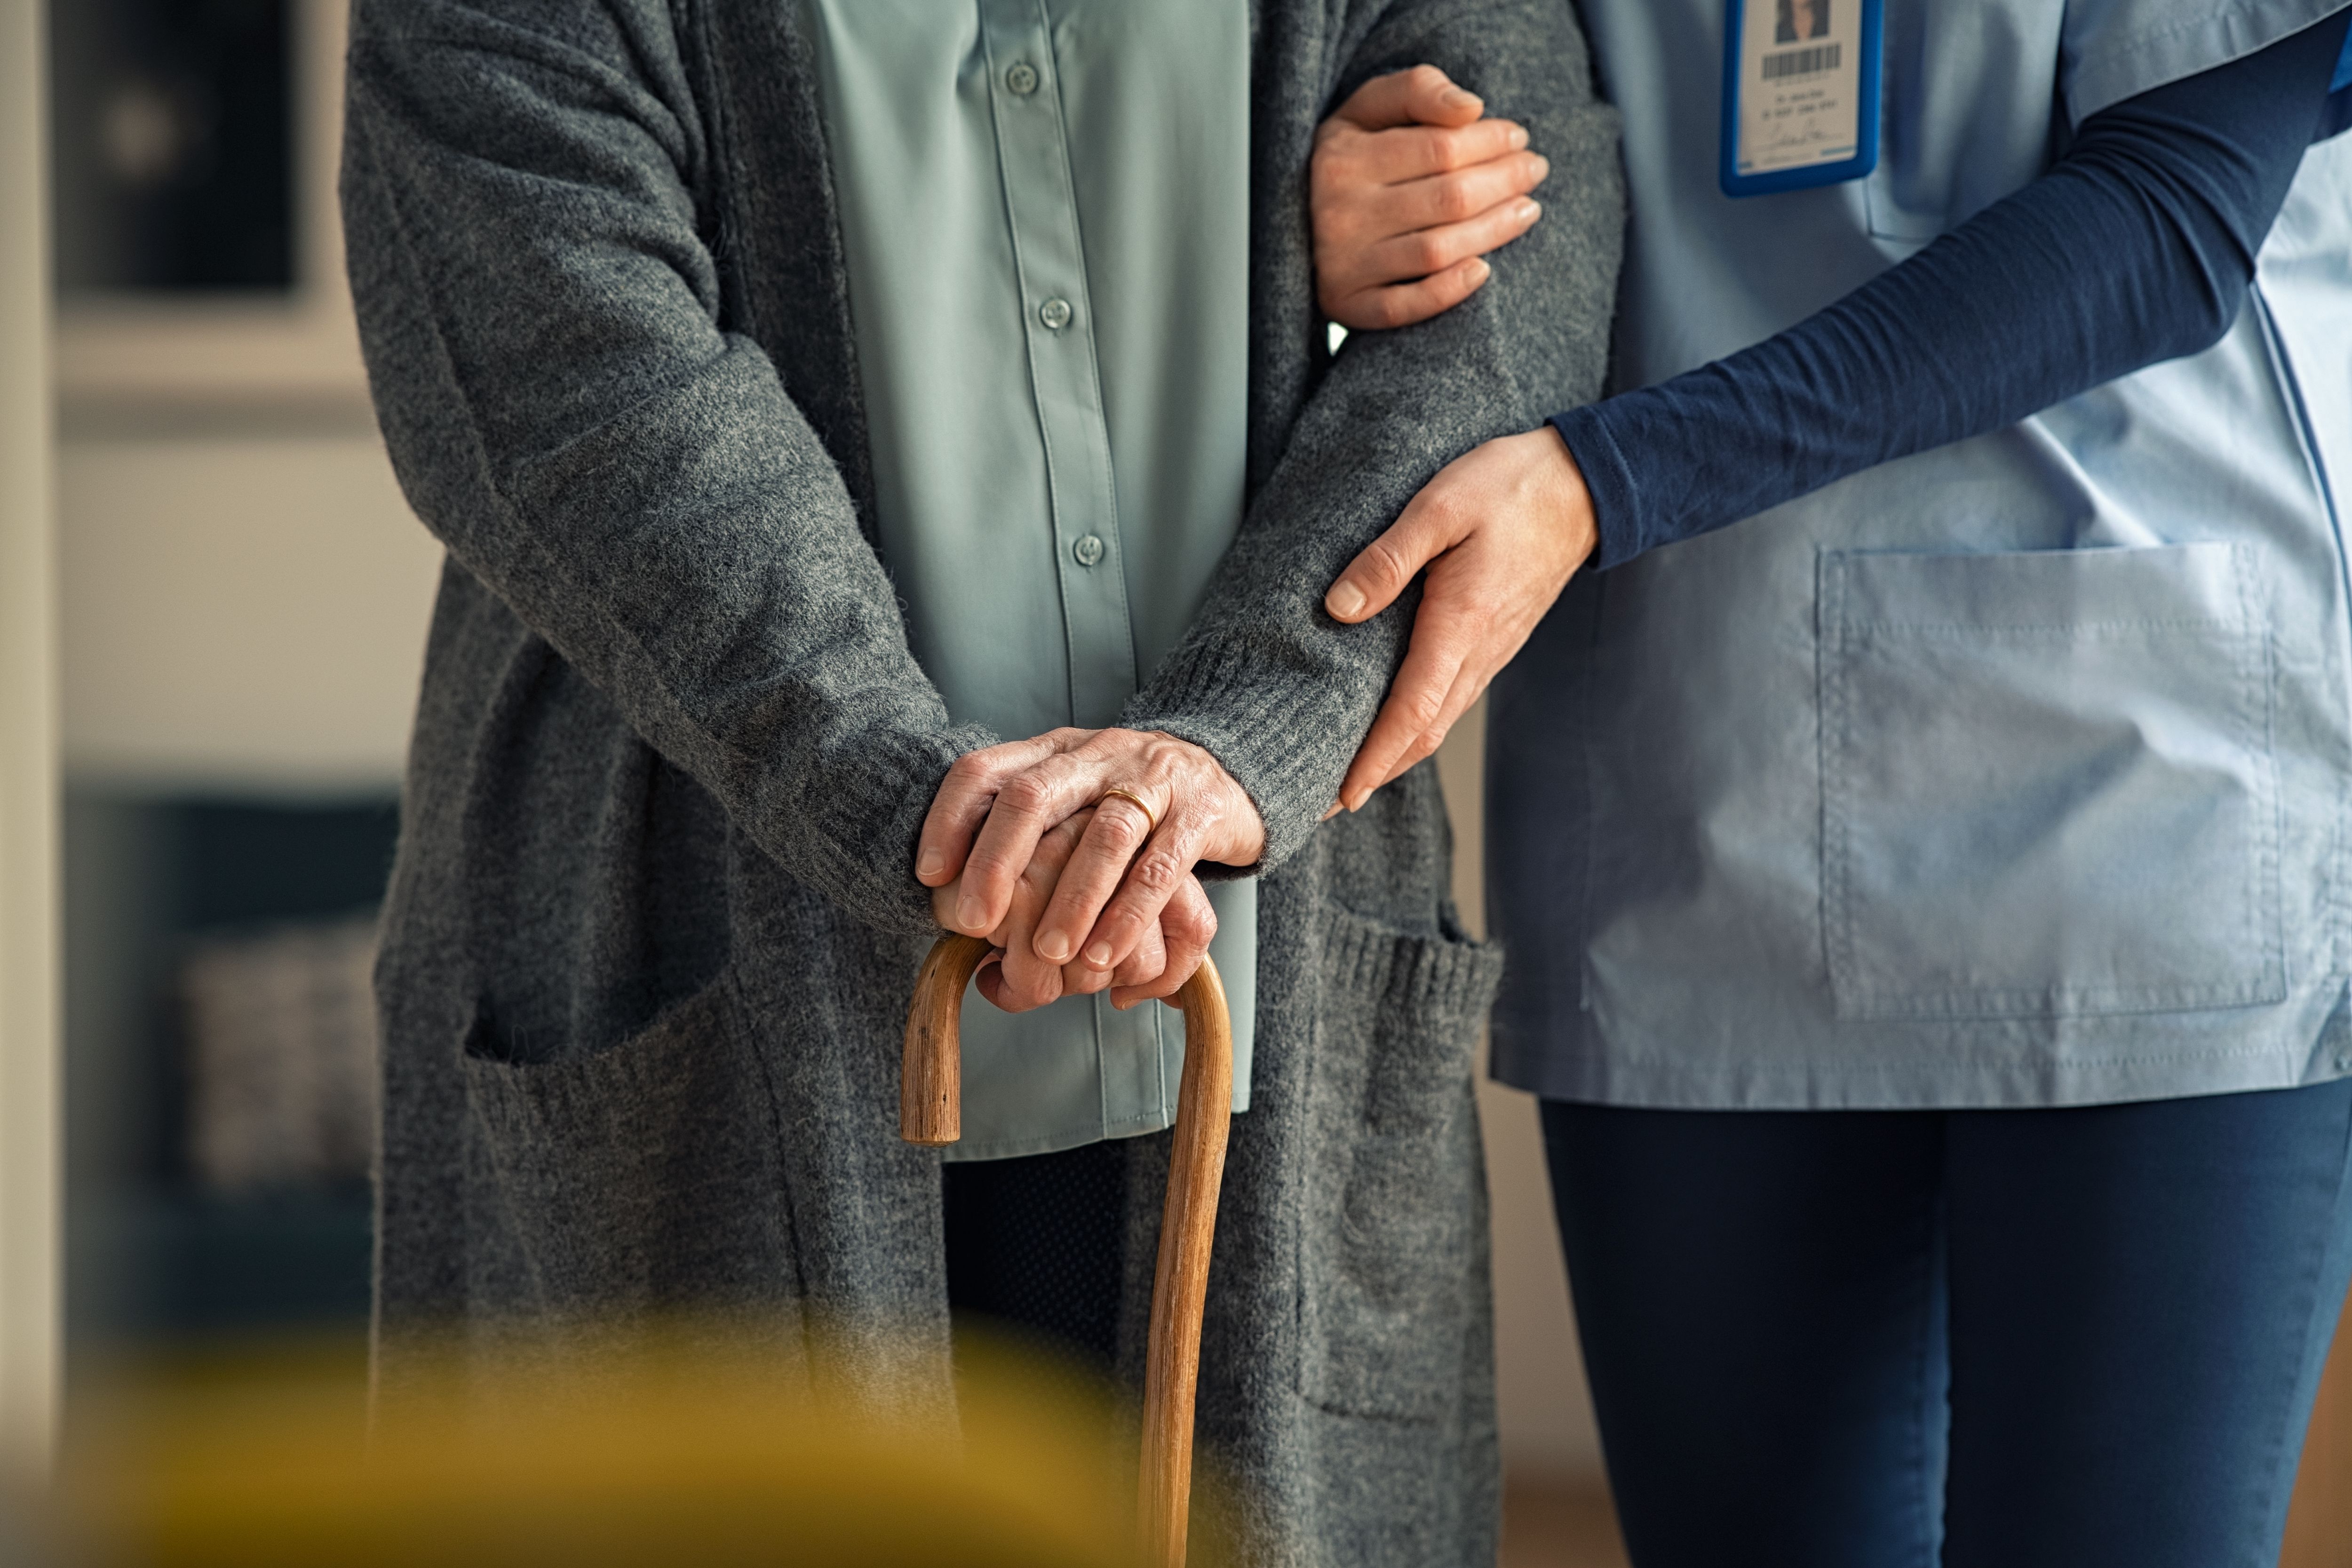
1044, 211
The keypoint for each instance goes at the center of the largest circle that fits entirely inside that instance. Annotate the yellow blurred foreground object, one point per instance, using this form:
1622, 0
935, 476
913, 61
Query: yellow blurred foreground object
642, 1457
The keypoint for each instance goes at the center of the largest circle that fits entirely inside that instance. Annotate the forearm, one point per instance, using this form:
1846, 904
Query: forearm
2136, 246
1275, 689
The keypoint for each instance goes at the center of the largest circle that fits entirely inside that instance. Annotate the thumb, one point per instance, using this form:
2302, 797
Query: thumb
1383, 569
1421, 95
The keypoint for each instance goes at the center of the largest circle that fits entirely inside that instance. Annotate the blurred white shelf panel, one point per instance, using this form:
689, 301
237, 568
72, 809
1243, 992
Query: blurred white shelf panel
246, 612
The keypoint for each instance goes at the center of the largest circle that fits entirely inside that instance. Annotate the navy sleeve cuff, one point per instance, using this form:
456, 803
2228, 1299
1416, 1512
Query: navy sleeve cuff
1608, 479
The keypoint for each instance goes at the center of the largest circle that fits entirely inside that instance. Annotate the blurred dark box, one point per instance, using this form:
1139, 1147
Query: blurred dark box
173, 146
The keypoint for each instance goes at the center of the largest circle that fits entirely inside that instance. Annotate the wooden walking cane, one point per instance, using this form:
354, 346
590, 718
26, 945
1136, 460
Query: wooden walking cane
930, 1111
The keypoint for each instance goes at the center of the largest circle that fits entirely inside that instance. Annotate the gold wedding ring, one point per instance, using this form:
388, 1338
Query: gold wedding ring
1137, 801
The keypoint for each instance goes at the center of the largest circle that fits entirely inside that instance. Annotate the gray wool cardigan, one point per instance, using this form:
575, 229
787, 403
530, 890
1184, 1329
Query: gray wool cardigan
653, 923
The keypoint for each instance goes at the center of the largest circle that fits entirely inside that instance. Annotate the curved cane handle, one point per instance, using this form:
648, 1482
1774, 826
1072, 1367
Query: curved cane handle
930, 1078
930, 1112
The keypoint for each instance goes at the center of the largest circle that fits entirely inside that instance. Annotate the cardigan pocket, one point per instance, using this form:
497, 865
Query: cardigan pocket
2047, 782
1392, 1236
643, 1177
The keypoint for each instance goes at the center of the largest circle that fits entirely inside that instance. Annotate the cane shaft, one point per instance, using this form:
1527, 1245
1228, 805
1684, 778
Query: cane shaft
1180, 1291
930, 1112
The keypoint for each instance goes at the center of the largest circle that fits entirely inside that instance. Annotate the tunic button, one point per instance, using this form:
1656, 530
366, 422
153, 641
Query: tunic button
1088, 549
1021, 79
1054, 313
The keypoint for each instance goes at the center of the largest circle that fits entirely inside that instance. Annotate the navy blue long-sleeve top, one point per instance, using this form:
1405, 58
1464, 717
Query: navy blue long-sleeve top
2136, 246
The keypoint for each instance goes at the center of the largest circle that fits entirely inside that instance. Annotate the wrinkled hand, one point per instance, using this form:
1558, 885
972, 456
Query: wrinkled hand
1501, 529
1016, 979
1408, 189
1112, 885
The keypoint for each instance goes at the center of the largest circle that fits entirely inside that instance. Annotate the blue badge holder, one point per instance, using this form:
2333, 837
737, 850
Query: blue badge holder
1865, 151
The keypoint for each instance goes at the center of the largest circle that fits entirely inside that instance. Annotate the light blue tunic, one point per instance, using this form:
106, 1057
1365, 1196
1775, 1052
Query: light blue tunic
1044, 209
2013, 774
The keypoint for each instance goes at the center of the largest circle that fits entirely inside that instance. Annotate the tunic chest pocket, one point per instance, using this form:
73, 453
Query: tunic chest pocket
2047, 780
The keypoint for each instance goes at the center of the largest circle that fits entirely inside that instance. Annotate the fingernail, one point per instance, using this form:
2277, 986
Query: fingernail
1053, 947
1336, 809
1345, 599
1356, 799
930, 864
1518, 137
971, 913
1098, 955
1456, 98
1479, 270
1529, 209
1543, 168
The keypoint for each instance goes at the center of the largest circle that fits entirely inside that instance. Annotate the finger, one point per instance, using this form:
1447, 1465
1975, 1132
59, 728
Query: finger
1468, 686
1144, 965
1026, 982
1425, 530
964, 796
1423, 95
1144, 892
1385, 308
1415, 698
1119, 830
1186, 926
1455, 197
990, 980
1027, 806
1358, 165
1406, 256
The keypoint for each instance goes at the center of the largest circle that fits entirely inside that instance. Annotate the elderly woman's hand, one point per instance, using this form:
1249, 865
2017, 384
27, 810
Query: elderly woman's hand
993, 814
1016, 979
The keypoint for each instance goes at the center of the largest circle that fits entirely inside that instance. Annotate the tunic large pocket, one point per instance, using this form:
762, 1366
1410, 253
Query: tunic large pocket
2047, 782
1393, 1223
644, 1176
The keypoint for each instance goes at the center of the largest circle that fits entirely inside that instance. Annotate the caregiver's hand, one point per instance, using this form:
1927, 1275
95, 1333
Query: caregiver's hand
996, 806
1408, 189
1501, 529
1016, 979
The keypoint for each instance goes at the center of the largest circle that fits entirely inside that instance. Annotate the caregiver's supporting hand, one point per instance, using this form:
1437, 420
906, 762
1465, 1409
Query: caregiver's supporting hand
1408, 189
996, 807
1501, 529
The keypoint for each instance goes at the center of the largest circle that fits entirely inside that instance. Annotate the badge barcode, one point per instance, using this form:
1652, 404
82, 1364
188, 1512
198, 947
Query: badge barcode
1801, 62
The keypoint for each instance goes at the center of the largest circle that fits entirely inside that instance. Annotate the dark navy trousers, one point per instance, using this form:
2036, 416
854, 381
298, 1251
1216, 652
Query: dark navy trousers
1983, 1338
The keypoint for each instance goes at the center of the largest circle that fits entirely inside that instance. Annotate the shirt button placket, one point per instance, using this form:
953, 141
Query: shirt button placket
1049, 259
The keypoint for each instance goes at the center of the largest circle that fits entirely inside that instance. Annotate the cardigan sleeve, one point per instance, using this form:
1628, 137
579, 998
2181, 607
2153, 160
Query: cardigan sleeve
1277, 690
539, 308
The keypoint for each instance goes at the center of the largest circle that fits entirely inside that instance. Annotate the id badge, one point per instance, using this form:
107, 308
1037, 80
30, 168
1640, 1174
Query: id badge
1800, 93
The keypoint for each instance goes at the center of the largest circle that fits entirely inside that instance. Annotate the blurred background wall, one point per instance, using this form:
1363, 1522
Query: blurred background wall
28, 1056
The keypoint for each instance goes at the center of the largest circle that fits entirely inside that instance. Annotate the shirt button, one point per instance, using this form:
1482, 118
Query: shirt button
1088, 549
1021, 79
1054, 313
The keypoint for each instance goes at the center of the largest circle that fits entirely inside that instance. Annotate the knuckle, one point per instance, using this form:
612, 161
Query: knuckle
1388, 563
1156, 874
1425, 252
1453, 199
1028, 794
